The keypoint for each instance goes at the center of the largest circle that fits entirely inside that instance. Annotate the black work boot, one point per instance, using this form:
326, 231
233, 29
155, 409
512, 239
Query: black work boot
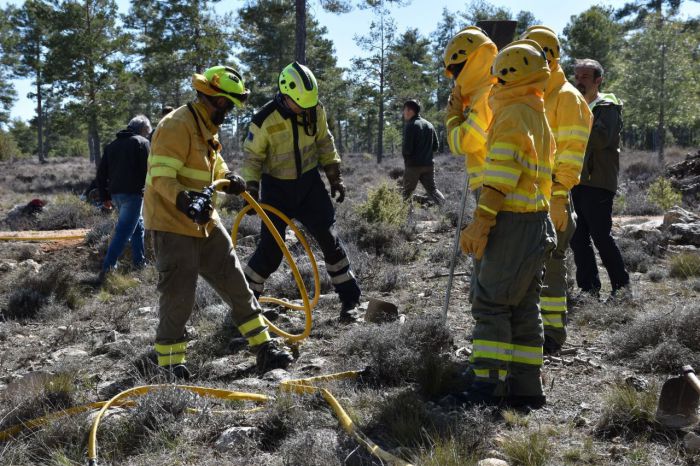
178, 371
272, 355
550, 346
350, 312
479, 394
526, 403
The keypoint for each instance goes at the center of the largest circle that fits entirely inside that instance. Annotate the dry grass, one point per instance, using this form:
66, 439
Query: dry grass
628, 413
530, 448
685, 265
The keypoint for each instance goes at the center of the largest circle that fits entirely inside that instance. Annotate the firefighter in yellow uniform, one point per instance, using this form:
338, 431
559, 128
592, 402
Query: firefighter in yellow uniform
512, 235
570, 120
288, 142
188, 237
468, 58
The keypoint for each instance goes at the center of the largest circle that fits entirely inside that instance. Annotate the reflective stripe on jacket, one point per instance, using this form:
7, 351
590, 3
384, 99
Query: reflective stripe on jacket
467, 136
520, 148
185, 156
570, 120
278, 145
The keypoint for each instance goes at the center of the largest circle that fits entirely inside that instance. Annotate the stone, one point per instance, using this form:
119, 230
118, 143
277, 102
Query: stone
8, 265
276, 375
639, 384
380, 311
679, 215
685, 233
30, 265
250, 384
29, 383
314, 365
492, 462
220, 367
234, 436
68, 353
691, 442
143, 311
643, 231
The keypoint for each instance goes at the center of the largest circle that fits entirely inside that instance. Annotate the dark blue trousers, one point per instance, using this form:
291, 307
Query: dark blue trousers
593, 207
306, 200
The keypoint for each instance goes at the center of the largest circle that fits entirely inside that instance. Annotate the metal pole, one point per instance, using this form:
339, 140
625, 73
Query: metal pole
455, 247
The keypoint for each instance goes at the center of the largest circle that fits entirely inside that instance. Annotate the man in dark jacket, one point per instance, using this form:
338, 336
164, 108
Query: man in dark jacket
120, 178
419, 142
593, 197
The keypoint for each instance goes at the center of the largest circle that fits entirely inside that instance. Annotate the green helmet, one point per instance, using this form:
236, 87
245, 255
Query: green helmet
299, 83
222, 81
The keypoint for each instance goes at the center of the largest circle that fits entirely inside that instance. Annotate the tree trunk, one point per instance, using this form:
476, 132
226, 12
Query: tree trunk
300, 39
380, 119
339, 132
39, 120
662, 106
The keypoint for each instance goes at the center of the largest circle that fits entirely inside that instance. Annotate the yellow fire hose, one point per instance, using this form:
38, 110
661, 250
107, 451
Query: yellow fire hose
299, 387
44, 235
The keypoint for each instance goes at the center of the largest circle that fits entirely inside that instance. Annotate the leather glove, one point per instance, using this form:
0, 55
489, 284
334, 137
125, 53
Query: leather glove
559, 207
336, 181
253, 188
185, 201
236, 184
475, 236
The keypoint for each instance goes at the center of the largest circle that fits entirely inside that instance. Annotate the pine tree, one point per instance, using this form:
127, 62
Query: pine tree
33, 27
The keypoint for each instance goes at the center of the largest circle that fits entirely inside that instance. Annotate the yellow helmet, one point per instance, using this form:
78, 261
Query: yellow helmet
461, 46
547, 39
518, 60
222, 81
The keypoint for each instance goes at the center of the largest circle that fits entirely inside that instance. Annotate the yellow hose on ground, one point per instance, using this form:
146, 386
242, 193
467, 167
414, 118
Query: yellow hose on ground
226, 395
298, 386
44, 235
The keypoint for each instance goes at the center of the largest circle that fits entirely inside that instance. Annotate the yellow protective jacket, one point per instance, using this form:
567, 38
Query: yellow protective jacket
185, 156
466, 135
520, 146
570, 120
278, 145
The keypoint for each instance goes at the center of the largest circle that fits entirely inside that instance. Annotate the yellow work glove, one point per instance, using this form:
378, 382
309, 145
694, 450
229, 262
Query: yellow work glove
559, 207
475, 236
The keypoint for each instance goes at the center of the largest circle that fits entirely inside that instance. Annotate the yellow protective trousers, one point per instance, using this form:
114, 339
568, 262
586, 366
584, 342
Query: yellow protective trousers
508, 334
553, 297
180, 260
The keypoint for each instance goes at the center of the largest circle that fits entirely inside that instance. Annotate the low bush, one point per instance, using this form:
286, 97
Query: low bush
35, 291
661, 194
397, 354
384, 204
660, 341
67, 212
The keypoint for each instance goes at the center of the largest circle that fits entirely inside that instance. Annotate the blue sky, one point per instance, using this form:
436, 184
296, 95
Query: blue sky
421, 14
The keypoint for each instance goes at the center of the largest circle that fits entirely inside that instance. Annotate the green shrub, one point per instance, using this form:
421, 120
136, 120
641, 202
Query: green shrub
685, 265
662, 194
384, 204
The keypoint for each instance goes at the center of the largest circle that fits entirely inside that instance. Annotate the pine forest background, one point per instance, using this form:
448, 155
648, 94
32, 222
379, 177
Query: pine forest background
93, 69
